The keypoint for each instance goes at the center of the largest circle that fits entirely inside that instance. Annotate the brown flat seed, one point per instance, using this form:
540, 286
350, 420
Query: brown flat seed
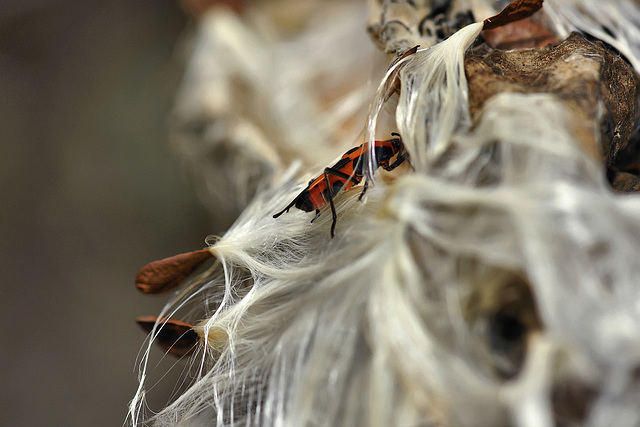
163, 275
514, 11
174, 336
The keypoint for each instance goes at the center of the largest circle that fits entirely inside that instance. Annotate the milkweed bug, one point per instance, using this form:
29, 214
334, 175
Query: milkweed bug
346, 173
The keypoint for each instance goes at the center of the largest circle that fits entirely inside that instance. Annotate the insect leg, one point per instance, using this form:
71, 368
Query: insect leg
364, 190
401, 158
330, 193
317, 215
342, 175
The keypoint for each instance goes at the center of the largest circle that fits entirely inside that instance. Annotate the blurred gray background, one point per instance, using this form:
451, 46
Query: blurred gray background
90, 193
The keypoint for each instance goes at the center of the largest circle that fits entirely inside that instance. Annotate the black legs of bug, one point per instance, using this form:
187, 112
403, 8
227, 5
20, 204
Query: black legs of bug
339, 174
330, 192
364, 190
402, 156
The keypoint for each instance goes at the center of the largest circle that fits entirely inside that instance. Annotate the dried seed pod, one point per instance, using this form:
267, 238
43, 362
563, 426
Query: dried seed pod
572, 400
165, 274
596, 86
174, 336
623, 182
397, 25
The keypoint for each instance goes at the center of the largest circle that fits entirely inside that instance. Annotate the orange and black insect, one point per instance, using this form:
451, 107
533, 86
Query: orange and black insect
346, 173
